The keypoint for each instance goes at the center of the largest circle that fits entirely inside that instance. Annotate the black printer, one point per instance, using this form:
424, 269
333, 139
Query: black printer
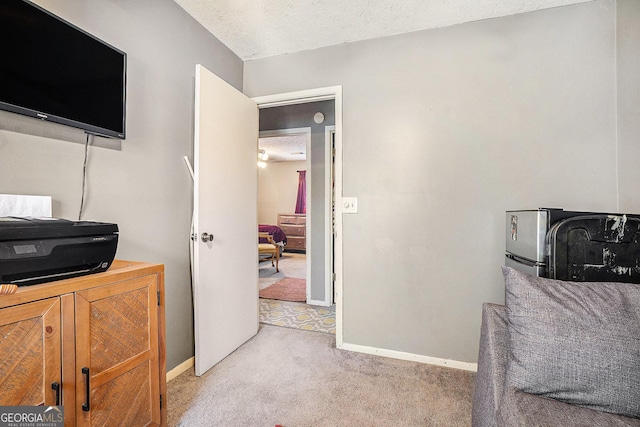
38, 250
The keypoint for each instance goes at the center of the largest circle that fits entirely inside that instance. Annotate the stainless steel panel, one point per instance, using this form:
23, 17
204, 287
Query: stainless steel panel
526, 232
532, 269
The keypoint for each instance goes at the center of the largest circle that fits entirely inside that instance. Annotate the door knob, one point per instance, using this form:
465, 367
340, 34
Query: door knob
206, 237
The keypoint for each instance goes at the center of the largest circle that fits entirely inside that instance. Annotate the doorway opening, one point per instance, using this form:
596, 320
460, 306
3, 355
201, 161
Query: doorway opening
295, 203
322, 226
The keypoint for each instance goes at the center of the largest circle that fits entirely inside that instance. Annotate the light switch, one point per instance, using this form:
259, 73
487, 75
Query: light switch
349, 205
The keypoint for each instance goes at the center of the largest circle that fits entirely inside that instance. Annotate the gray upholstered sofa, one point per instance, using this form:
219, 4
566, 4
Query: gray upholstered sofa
498, 403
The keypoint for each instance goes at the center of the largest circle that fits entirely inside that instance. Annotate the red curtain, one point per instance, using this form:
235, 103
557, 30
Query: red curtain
301, 200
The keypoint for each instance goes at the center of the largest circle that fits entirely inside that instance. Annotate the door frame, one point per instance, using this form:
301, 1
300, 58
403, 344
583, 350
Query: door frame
313, 95
307, 132
329, 214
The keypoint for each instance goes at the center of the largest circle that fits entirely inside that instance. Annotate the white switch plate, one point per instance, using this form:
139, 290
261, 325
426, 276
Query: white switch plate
349, 205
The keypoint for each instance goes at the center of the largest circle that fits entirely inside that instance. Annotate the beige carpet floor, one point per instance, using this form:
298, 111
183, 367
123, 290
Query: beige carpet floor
297, 378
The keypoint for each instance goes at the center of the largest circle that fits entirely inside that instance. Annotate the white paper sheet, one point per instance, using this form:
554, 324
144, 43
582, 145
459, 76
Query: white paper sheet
25, 206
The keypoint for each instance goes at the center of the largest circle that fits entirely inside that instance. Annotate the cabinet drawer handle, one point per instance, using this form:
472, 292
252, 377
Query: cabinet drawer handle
87, 405
56, 386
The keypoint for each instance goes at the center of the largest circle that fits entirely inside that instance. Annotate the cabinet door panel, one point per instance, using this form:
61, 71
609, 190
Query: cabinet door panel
117, 341
119, 328
31, 353
127, 398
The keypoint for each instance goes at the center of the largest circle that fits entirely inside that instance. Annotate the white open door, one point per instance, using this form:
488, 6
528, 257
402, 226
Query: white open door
225, 247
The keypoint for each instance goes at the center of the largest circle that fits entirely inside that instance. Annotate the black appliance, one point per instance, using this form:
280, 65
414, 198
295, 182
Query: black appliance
53, 70
576, 246
45, 249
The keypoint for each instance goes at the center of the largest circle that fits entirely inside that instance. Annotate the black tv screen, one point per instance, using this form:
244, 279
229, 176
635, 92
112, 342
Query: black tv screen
52, 70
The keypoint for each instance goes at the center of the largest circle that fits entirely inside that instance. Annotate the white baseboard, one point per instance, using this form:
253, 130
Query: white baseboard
473, 367
320, 303
393, 354
183, 367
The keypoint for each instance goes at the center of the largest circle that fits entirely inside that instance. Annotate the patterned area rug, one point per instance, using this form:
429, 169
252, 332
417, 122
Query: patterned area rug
287, 289
298, 316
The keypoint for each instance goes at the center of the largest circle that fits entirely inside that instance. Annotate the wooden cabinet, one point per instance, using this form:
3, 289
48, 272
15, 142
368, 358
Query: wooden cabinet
295, 227
30, 357
100, 337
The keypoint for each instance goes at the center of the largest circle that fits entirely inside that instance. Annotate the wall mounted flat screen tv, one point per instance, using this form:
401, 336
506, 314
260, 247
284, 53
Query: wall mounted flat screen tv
53, 70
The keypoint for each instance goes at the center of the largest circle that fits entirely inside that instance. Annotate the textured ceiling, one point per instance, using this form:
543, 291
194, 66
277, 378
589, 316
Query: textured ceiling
255, 29
284, 148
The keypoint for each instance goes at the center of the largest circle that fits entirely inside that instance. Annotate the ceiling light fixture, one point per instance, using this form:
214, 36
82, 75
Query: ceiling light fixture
263, 156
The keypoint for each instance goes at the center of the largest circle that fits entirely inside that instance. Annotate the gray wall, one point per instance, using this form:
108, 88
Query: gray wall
297, 116
141, 184
628, 83
444, 130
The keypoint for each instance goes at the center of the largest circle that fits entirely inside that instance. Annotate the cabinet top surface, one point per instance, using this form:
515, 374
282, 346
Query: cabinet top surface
119, 270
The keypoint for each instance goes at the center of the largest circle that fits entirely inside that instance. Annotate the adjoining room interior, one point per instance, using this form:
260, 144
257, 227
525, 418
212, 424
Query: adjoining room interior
279, 176
294, 201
